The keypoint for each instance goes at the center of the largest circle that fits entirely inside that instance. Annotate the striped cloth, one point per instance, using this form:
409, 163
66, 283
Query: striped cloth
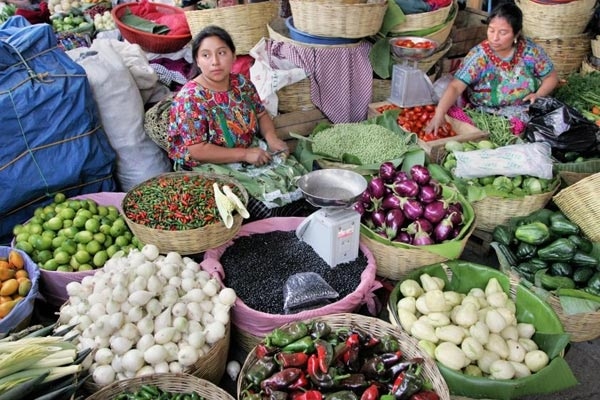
341, 78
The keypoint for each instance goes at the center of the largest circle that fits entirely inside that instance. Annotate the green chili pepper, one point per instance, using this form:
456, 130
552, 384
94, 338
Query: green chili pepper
283, 336
260, 370
305, 344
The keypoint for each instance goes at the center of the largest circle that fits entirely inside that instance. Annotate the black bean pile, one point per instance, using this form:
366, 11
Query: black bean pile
258, 266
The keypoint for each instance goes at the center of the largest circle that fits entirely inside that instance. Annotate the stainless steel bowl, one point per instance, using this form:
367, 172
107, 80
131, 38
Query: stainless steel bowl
411, 53
332, 187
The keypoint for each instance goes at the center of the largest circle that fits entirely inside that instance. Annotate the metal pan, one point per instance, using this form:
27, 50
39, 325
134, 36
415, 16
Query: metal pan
332, 187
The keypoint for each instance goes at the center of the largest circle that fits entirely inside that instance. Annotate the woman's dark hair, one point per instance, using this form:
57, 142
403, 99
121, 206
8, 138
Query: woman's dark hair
207, 32
511, 13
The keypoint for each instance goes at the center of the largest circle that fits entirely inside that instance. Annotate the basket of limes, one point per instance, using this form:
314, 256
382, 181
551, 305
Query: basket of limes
71, 238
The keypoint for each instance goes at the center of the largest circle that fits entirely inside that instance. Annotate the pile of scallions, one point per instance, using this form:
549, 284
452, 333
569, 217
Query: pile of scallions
146, 313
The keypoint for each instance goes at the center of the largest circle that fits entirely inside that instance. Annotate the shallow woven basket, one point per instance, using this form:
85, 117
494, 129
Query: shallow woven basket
340, 18
245, 340
581, 204
443, 33
424, 20
377, 328
564, 19
566, 52
246, 23
295, 97
279, 31
190, 241
174, 383
494, 211
581, 327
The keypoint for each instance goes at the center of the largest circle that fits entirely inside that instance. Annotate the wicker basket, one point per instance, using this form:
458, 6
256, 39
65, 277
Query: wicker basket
295, 97
149, 41
443, 33
377, 328
581, 204
494, 211
565, 19
174, 383
278, 31
339, 19
566, 52
587, 68
424, 20
246, 23
191, 241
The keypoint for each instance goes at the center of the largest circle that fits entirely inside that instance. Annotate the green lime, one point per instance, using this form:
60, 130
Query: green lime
100, 237
50, 265
117, 230
67, 223
62, 257
43, 243
79, 221
34, 239
113, 212
18, 228
102, 211
35, 228
59, 198
137, 243
43, 256
100, 258
75, 204
85, 267
70, 232
85, 213
84, 237
58, 241
92, 225
55, 223
93, 247
121, 241
38, 212
108, 240
70, 246
74, 263
49, 234
105, 228
48, 209
64, 268
67, 213
82, 257
22, 237
25, 246
111, 250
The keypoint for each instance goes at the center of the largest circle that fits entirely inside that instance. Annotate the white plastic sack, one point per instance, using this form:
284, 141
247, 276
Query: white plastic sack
533, 159
269, 80
122, 114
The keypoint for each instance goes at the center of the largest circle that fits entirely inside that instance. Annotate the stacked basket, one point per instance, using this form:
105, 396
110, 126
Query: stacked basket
558, 28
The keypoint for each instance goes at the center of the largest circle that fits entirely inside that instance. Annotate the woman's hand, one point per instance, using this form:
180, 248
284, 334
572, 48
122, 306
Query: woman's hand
435, 123
257, 156
276, 144
530, 98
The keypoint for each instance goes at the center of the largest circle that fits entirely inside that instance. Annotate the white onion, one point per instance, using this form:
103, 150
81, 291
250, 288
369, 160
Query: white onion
133, 360
103, 375
103, 356
155, 354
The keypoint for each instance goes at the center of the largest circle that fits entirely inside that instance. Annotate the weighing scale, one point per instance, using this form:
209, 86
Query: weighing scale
333, 231
410, 86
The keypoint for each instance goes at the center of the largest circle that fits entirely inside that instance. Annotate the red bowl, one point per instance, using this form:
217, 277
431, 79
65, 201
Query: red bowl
150, 42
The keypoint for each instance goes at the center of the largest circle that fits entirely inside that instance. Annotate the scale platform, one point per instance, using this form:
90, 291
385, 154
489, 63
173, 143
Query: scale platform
410, 86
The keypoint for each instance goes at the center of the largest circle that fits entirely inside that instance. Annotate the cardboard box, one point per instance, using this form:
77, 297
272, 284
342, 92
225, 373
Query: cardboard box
435, 149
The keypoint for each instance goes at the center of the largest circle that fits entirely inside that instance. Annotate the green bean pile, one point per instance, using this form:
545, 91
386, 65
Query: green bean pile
369, 143
497, 126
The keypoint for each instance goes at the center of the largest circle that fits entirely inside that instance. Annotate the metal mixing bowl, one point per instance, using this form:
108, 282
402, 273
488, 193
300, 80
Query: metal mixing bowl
332, 187
411, 53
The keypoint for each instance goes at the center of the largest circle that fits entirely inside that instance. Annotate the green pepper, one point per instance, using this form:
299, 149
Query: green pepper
525, 251
534, 233
319, 329
581, 259
408, 382
562, 226
387, 344
561, 269
305, 344
503, 234
561, 249
283, 336
260, 370
582, 275
554, 282
582, 243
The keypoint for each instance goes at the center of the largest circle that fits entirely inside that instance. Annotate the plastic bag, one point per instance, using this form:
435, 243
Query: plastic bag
532, 159
561, 126
306, 290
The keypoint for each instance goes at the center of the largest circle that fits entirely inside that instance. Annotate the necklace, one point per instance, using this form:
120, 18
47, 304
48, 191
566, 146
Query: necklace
500, 63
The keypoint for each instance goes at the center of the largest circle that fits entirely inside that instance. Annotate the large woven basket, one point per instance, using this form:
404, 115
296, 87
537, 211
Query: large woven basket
190, 241
278, 31
377, 328
494, 211
424, 20
566, 52
246, 23
581, 204
295, 97
339, 18
558, 19
174, 383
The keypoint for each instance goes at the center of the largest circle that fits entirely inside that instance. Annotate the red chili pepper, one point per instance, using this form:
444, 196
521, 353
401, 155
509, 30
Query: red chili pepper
324, 353
308, 395
312, 365
398, 381
372, 393
298, 359
353, 347
425, 395
300, 383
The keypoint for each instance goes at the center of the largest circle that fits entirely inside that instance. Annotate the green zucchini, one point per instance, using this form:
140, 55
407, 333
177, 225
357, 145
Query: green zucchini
439, 173
535, 233
582, 275
559, 250
561, 269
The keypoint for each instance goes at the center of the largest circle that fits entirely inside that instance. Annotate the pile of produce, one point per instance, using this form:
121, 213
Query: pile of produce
410, 207
551, 252
416, 119
71, 21
581, 92
312, 360
147, 313
154, 392
14, 282
495, 185
477, 333
502, 131
74, 235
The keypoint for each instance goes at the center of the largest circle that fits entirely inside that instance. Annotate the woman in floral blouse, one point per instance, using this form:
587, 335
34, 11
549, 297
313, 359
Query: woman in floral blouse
218, 124
503, 74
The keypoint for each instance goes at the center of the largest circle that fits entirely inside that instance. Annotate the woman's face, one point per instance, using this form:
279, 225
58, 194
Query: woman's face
215, 59
500, 34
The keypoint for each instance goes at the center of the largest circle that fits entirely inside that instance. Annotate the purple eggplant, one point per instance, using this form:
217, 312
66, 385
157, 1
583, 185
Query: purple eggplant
387, 171
456, 217
420, 224
365, 197
436, 186
420, 174
378, 218
435, 211
405, 188
455, 207
427, 194
393, 221
422, 238
391, 201
376, 187
412, 209
401, 176
359, 207
403, 237
443, 230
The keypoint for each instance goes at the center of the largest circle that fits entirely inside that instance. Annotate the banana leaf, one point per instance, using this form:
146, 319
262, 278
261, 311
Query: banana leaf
451, 249
461, 276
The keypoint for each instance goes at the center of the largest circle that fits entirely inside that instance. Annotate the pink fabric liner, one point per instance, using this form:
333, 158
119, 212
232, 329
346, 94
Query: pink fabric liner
259, 323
